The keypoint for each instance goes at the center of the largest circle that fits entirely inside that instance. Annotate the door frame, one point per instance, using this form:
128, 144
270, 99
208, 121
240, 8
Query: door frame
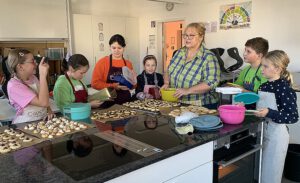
161, 41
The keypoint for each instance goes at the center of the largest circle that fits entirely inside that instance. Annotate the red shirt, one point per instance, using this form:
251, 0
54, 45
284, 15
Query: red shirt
101, 70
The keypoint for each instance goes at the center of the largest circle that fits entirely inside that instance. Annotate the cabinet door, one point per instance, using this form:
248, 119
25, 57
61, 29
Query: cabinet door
91, 35
175, 166
201, 174
117, 26
132, 51
101, 35
33, 19
83, 42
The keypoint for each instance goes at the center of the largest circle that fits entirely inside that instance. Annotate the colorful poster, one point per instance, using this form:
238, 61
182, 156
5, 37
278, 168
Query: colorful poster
236, 16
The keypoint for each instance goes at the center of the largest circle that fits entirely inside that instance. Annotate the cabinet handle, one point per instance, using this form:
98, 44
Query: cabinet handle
226, 163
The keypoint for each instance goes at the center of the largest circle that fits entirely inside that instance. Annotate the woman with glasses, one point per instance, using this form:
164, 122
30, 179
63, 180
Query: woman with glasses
194, 70
28, 95
108, 67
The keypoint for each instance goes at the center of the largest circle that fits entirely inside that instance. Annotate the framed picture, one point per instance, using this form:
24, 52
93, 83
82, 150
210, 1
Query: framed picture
153, 24
100, 26
101, 36
101, 47
152, 42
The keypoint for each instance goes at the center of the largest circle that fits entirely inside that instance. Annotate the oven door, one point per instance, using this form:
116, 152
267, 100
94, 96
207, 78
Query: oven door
236, 164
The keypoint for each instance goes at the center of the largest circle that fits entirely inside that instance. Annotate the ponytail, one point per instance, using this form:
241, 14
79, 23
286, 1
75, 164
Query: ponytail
287, 75
281, 60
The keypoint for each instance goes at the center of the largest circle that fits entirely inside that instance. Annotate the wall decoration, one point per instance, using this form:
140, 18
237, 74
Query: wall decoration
153, 24
210, 26
100, 26
236, 16
101, 36
151, 41
101, 47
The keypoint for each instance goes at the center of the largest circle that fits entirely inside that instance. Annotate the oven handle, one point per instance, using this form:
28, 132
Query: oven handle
226, 163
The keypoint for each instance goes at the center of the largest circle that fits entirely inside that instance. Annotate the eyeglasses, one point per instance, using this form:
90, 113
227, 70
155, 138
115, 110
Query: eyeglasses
30, 62
191, 36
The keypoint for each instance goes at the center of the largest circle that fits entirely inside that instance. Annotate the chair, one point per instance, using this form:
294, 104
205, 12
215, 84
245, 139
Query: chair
219, 52
234, 53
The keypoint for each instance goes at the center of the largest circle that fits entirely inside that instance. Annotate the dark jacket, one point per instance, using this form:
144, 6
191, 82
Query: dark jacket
150, 79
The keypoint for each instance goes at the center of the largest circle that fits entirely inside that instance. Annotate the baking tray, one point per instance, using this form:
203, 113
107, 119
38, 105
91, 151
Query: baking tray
114, 113
39, 135
190, 108
23, 144
150, 105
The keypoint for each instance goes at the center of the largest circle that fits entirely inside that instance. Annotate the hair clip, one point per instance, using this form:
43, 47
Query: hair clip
21, 54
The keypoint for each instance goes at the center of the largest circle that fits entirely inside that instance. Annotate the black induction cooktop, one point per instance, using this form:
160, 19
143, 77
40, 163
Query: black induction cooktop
85, 154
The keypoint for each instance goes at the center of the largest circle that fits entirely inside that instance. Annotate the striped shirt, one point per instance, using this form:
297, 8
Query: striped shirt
204, 67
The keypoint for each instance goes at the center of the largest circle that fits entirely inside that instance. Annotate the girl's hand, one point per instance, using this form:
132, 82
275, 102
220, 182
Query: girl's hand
50, 115
181, 92
165, 86
43, 67
121, 87
262, 112
96, 103
2, 80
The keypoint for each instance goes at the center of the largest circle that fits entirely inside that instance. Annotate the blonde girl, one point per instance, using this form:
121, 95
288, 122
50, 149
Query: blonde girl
28, 95
278, 106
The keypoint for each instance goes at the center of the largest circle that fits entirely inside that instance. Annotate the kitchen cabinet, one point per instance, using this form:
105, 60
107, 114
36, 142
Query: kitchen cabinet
188, 166
33, 19
201, 174
83, 40
91, 36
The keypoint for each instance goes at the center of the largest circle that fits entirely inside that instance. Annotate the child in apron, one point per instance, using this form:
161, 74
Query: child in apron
28, 95
250, 78
149, 82
69, 88
278, 105
108, 67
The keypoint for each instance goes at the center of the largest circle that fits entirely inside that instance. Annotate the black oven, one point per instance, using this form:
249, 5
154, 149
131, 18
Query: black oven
237, 157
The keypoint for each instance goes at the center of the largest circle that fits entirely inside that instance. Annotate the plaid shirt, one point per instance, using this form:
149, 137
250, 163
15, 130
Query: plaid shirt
203, 68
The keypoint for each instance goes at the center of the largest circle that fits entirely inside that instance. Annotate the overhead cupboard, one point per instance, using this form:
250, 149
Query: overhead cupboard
91, 34
33, 19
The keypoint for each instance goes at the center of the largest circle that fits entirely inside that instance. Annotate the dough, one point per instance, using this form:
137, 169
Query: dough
15, 146
27, 139
5, 149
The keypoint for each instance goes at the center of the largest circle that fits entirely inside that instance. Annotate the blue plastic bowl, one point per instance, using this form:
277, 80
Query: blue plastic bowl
246, 98
123, 81
77, 111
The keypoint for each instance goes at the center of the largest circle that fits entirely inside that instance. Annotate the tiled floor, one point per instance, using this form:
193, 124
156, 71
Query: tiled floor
284, 180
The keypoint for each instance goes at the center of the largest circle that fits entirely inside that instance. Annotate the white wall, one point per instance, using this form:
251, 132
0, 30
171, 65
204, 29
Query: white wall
148, 11
276, 20
33, 19
100, 7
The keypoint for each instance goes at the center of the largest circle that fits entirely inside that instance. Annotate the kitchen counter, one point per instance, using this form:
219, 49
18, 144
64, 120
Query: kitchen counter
50, 161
